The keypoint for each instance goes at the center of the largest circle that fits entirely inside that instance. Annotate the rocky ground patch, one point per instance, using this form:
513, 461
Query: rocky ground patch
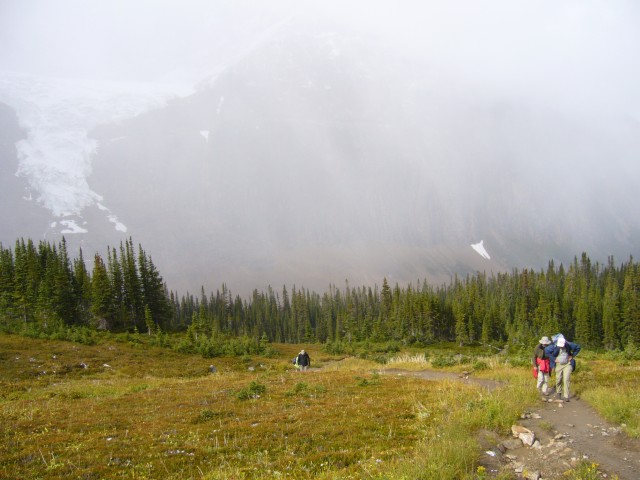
557, 437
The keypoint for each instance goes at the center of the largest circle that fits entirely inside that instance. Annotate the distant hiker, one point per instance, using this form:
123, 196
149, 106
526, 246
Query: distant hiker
562, 360
302, 361
542, 365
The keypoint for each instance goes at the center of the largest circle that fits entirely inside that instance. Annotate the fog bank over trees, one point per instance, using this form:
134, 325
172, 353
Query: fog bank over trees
312, 142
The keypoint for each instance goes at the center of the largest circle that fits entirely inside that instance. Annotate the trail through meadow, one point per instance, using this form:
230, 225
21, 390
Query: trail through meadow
567, 433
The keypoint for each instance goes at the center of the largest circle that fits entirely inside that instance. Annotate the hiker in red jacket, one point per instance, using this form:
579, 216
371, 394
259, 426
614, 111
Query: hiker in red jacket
542, 365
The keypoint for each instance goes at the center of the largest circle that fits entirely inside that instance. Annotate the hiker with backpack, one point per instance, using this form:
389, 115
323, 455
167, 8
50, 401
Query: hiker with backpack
542, 365
302, 361
562, 355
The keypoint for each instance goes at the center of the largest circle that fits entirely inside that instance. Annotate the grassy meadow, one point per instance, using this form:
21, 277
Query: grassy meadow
123, 409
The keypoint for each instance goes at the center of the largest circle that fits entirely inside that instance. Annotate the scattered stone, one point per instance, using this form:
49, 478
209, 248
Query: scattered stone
536, 416
570, 425
513, 458
516, 430
534, 475
252, 369
527, 438
518, 468
537, 445
512, 444
491, 453
212, 369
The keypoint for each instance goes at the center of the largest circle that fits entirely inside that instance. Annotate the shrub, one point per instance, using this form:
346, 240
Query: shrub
253, 391
442, 361
205, 416
480, 365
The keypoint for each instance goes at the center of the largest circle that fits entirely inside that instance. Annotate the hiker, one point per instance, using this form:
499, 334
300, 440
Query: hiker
562, 360
303, 362
541, 363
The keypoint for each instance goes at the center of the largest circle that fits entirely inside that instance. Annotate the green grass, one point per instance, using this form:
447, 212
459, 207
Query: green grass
144, 412
614, 391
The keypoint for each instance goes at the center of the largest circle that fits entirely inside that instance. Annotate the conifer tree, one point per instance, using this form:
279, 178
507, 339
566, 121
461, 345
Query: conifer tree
103, 305
611, 313
82, 289
631, 306
7, 286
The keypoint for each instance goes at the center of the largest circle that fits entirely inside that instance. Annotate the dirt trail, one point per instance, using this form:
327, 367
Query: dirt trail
435, 375
567, 433
573, 431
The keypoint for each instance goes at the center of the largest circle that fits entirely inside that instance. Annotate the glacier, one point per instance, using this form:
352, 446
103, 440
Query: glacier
57, 115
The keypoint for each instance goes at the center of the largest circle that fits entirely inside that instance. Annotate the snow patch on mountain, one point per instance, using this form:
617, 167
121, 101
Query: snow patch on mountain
55, 158
479, 247
220, 103
119, 226
72, 227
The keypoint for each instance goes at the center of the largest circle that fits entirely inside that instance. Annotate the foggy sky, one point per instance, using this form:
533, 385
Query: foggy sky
523, 47
574, 56
542, 94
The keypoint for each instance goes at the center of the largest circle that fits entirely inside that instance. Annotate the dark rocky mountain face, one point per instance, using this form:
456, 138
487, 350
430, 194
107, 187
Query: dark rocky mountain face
320, 157
322, 148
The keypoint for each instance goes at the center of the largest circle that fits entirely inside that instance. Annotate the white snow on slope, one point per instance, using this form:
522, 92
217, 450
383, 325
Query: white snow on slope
479, 247
57, 114
72, 227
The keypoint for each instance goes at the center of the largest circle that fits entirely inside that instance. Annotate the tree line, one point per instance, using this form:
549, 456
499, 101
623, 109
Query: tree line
594, 304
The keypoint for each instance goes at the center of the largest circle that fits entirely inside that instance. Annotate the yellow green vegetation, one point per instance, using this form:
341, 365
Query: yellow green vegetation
614, 390
122, 410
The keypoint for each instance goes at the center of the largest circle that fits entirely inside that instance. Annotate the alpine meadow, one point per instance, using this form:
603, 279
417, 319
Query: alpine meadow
317, 239
107, 374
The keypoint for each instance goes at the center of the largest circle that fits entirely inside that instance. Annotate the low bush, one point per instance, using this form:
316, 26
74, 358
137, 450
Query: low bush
253, 391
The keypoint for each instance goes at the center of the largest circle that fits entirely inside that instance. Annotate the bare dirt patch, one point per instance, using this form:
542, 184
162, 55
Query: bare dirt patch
436, 375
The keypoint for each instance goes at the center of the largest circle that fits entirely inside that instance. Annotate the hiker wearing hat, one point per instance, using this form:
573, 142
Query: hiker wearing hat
303, 362
542, 365
561, 356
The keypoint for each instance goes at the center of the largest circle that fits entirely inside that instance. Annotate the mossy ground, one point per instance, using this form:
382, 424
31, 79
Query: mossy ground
129, 410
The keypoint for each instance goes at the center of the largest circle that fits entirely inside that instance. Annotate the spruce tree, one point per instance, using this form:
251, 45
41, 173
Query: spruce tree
103, 297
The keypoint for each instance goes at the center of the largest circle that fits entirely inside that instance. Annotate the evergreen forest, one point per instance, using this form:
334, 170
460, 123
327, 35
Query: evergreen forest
42, 289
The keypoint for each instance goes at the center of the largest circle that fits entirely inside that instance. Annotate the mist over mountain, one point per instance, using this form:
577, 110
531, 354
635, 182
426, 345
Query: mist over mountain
327, 144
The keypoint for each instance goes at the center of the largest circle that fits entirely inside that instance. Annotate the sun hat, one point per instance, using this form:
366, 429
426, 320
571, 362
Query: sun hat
545, 341
561, 342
